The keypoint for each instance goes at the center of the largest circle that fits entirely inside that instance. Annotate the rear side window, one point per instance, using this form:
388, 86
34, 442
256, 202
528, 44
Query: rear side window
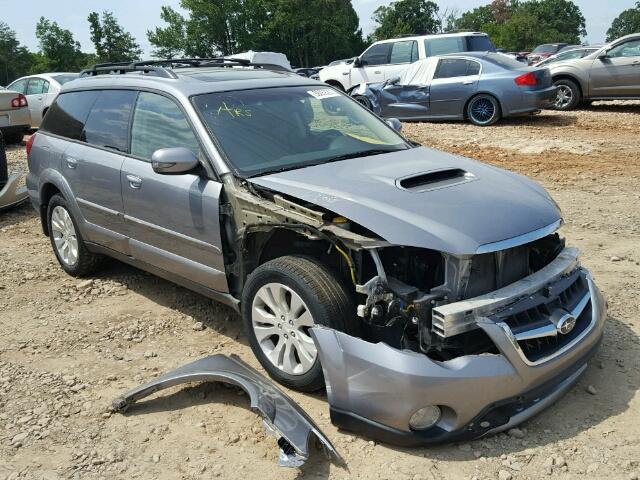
68, 113
444, 45
20, 86
37, 86
456, 67
376, 55
404, 52
480, 43
108, 123
159, 123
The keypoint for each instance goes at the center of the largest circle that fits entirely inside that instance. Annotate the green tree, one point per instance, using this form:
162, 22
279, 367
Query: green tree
418, 17
59, 51
171, 40
15, 59
111, 41
625, 23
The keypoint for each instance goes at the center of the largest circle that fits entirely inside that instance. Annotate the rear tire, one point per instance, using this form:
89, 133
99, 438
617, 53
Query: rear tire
568, 95
287, 296
66, 240
483, 110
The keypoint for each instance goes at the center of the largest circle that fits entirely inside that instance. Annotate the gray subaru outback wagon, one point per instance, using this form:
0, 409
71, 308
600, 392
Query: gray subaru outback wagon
430, 293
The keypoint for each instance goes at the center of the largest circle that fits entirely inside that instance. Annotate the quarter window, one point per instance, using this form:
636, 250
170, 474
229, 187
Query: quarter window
404, 52
68, 113
377, 54
108, 123
456, 67
159, 123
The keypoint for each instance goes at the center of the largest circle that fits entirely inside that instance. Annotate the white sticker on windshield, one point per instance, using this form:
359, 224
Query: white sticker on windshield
323, 93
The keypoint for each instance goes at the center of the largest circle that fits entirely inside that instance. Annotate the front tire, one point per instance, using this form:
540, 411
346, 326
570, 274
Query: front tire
483, 110
364, 101
568, 95
281, 301
67, 242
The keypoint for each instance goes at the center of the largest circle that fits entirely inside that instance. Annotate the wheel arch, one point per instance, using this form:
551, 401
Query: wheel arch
574, 79
336, 84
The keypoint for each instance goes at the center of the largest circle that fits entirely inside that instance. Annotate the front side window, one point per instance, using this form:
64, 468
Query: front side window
626, 49
377, 54
159, 123
108, 123
456, 67
19, 86
444, 45
269, 130
68, 113
404, 52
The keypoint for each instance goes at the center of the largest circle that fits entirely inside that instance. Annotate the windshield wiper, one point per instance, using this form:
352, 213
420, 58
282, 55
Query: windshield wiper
363, 153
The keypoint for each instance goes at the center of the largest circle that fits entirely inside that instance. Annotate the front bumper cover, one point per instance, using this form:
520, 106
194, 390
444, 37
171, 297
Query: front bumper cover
13, 193
375, 389
282, 417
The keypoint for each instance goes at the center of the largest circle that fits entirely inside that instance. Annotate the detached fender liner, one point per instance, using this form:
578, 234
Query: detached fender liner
281, 415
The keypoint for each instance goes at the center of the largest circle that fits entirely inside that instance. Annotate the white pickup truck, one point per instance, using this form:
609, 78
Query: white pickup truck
386, 59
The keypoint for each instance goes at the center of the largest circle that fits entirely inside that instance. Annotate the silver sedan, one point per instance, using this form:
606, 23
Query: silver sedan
479, 86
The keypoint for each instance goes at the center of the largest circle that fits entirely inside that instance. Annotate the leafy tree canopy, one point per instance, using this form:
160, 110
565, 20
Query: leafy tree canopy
403, 17
111, 41
15, 59
626, 23
59, 52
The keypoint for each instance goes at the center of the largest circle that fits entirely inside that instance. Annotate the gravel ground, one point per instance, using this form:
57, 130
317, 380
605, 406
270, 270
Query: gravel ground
69, 346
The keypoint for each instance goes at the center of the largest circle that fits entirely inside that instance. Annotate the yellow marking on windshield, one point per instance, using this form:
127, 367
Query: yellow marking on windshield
235, 112
375, 141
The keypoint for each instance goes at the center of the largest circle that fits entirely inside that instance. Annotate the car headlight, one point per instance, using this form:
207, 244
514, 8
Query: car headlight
425, 417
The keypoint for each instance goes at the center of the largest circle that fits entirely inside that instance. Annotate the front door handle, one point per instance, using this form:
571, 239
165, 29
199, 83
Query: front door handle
378, 72
469, 82
72, 163
134, 181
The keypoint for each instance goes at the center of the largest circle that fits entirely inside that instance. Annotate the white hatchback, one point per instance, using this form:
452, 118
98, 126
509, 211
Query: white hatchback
40, 91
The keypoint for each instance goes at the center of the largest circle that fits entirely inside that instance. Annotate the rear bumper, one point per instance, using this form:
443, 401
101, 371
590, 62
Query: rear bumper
15, 119
535, 100
375, 389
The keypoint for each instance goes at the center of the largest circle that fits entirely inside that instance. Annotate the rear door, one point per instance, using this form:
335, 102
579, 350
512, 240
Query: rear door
97, 123
36, 96
618, 73
454, 82
173, 220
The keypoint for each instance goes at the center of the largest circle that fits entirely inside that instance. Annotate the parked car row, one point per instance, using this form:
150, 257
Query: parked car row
405, 78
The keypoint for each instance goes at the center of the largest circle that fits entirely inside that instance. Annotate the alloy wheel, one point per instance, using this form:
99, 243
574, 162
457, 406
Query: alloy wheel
564, 96
64, 235
281, 322
482, 110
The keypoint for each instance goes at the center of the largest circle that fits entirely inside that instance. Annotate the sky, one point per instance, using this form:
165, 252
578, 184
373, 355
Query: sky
138, 16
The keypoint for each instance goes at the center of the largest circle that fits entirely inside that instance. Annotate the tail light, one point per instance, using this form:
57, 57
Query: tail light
19, 101
528, 79
30, 143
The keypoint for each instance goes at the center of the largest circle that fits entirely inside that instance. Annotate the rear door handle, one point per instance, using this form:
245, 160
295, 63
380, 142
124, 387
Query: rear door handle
134, 181
378, 72
72, 163
469, 82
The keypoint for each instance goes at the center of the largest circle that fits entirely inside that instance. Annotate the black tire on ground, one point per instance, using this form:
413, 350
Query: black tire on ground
364, 101
483, 110
13, 137
87, 262
568, 96
325, 297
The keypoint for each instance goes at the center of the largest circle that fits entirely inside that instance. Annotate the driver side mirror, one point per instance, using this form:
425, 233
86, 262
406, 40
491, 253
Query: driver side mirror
173, 161
604, 55
357, 63
394, 123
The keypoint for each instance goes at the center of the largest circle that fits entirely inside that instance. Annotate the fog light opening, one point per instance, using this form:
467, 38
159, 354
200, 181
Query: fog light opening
425, 417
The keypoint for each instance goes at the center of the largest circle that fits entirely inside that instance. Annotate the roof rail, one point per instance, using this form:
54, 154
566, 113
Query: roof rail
213, 62
126, 67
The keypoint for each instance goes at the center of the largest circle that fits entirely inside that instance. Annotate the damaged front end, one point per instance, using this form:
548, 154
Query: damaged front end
282, 417
13, 192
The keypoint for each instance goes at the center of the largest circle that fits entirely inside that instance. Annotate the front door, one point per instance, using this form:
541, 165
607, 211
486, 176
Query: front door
454, 82
618, 73
172, 220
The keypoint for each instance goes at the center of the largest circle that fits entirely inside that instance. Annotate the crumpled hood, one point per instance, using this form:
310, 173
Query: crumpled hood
495, 205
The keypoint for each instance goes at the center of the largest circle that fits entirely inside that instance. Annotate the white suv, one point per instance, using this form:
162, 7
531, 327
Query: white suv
387, 58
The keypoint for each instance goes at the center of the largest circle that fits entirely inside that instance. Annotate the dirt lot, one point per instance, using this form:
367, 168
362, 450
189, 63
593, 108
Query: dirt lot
68, 347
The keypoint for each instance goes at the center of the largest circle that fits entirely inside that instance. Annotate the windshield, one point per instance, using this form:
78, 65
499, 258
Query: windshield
275, 129
62, 79
546, 49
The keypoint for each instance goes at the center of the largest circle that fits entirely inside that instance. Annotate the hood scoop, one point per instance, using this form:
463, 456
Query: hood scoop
435, 179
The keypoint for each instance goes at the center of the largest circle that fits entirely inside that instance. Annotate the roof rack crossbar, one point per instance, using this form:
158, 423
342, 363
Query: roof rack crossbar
126, 67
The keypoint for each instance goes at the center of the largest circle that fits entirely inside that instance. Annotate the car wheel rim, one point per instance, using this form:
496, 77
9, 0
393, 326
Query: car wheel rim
482, 110
64, 236
281, 322
362, 102
564, 97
